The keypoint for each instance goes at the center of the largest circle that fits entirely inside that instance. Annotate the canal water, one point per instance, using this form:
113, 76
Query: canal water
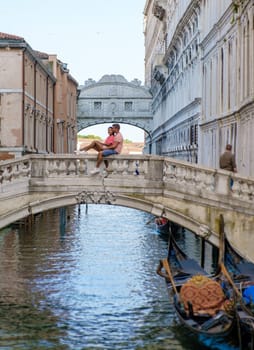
90, 283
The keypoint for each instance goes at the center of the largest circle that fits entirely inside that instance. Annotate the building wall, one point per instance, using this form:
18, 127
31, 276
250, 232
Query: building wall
65, 102
10, 97
228, 85
36, 92
199, 66
38, 107
26, 108
71, 112
175, 67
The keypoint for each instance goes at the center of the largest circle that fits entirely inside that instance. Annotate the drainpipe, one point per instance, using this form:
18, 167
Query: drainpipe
23, 100
53, 130
47, 88
35, 104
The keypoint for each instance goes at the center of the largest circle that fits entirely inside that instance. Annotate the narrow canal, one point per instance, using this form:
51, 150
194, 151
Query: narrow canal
90, 284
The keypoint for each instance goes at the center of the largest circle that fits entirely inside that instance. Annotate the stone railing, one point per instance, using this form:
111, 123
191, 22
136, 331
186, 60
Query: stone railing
81, 165
14, 176
11, 170
168, 173
189, 194
201, 181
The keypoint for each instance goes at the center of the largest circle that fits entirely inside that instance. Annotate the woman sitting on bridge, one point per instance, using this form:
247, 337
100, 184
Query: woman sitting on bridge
100, 146
106, 150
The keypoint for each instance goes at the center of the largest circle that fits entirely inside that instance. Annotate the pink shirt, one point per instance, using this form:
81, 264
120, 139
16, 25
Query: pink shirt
109, 140
119, 139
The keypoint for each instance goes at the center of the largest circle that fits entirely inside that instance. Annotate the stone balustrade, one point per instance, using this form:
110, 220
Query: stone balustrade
12, 170
202, 181
14, 177
184, 177
191, 195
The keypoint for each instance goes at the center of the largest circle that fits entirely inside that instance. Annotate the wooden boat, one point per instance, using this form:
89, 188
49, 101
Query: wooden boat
199, 300
239, 273
162, 225
182, 266
243, 293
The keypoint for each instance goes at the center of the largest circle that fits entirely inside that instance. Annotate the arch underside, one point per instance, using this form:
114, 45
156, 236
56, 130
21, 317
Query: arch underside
142, 123
44, 202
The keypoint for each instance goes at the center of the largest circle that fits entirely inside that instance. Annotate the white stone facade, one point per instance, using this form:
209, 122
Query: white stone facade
228, 83
199, 65
114, 99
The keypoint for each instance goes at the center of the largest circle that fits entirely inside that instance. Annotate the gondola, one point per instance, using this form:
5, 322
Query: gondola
199, 300
239, 273
182, 266
162, 225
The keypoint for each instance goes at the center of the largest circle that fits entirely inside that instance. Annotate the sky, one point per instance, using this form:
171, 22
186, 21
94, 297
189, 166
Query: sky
94, 37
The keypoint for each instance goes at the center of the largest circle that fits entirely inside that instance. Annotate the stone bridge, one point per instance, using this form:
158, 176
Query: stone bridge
187, 194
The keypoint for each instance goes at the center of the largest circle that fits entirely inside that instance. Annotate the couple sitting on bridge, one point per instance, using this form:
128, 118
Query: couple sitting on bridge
112, 145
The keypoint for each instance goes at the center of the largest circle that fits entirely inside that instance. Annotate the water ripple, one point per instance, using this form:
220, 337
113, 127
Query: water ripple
89, 284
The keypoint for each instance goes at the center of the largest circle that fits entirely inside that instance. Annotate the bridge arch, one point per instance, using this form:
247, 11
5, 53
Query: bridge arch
43, 204
114, 99
134, 124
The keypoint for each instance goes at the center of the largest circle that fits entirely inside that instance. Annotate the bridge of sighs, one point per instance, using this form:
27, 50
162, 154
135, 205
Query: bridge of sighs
114, 99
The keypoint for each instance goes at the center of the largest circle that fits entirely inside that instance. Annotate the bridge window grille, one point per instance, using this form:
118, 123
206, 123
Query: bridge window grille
194, 134
159, 147
128, 106
97, 106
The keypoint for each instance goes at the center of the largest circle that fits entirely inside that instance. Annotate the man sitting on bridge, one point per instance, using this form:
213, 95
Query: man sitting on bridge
100, 146
108, 150
114, 148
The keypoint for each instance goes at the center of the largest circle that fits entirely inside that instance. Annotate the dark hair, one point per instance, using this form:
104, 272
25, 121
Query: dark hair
228, 147
116, 126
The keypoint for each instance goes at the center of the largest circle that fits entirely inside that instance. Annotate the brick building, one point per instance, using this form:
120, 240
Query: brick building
37, 101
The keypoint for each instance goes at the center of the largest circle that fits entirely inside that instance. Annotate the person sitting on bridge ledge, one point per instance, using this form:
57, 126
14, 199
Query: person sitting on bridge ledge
114, 148
227, 162
100, 146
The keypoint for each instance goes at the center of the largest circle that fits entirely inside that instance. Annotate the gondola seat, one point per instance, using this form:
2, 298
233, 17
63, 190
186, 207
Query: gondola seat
204, 294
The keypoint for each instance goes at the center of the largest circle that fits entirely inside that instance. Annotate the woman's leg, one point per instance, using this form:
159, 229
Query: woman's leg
98, 146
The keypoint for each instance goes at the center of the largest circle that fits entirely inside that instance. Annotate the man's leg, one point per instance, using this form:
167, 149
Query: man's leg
100, 156
99, 159
107, 153
96, 170
106, 163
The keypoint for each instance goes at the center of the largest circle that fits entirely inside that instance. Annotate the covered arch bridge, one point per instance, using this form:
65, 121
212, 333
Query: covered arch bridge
114, 99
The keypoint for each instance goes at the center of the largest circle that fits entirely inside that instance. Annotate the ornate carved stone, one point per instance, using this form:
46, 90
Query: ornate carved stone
96, 197
158, 11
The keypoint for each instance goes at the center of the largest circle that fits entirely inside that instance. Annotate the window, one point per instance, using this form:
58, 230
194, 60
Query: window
158, 147
97, 106
194, 134
128, 106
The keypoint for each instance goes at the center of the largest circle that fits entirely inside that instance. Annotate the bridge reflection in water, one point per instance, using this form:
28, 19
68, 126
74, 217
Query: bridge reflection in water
190, 195
89, 282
